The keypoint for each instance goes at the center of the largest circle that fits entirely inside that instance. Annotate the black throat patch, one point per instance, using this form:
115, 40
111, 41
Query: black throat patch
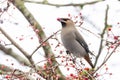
63, 24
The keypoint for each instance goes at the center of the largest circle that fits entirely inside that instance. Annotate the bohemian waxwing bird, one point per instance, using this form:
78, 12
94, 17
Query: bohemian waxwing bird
73, 41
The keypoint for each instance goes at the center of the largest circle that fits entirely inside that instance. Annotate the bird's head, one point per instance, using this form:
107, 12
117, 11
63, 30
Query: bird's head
66, 22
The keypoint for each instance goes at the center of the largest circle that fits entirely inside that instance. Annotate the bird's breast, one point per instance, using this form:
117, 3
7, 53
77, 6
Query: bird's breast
71, 44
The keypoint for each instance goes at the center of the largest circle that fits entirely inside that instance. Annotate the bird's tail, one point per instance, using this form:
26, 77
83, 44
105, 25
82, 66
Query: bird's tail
87, 58
92, 53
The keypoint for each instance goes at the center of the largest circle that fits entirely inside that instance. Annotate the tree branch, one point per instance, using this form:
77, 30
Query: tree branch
10, 52
107, 58
41, 35
102, 36
59, 5
16, 45
44, 42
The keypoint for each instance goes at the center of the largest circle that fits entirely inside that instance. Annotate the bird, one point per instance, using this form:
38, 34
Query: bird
73, 41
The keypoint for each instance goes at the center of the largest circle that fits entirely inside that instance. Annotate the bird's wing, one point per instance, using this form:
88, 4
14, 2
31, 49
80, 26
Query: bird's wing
81, 41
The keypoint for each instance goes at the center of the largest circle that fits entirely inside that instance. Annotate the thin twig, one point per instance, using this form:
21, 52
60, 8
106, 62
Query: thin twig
107, 58
90, 32
43, 43
5, 9
102, 36
13, 42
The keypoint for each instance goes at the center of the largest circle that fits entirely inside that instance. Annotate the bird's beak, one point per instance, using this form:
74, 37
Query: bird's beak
60, 20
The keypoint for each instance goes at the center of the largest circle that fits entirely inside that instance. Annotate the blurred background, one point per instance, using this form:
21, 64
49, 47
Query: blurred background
30, 38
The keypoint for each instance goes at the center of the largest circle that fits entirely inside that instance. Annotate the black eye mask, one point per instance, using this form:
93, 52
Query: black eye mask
63, 23
65, 19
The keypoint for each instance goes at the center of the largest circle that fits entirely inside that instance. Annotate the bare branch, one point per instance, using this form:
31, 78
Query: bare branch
102, 36
58, 5
41, 35
16, 45
107, 58
44, 42
10, 52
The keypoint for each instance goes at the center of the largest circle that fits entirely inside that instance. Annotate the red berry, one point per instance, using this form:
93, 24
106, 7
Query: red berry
71, 75
7, 76
21, 39
116, 37
109, 29
12, 64
87, 69
69, 15
111, 46
80, 13
85, 78
62, 61
73, 66
110, 73
106, 68
31, 38
61, 51
68, 69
